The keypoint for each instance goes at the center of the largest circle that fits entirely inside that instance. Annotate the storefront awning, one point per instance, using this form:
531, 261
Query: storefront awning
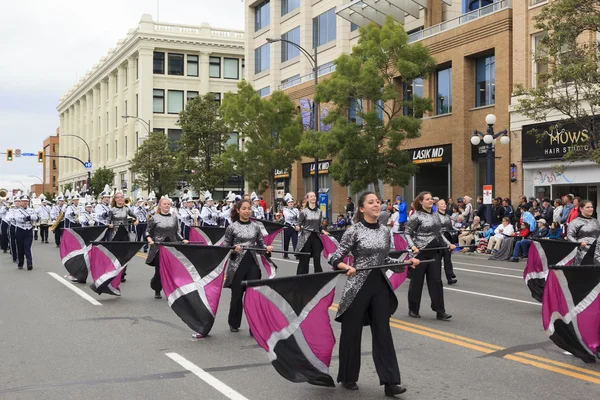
361, 12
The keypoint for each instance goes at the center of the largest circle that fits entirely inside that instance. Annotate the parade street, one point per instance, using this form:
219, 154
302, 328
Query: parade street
60, 340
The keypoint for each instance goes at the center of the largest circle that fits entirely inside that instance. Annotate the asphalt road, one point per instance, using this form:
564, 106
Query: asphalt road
55, 344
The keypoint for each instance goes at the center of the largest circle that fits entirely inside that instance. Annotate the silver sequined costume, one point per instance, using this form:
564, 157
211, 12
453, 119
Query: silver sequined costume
117, 216
583, 229
245, 234
370, 245
422, 228
161, 228
310, 221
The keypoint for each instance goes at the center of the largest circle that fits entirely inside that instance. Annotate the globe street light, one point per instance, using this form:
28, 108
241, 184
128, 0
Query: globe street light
489, 138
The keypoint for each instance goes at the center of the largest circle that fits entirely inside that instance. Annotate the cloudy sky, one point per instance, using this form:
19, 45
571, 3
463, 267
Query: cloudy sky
46, 46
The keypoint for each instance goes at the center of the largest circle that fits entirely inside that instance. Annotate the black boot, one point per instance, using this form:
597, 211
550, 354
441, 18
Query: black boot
350, 385
392, 390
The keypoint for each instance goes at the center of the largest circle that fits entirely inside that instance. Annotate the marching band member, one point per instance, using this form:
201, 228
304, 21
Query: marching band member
257, 210
44, 213
225, 213
4, 208
24, 218
36, 226
12, 226
290, 216
55, 211
310, 221
102, 210
119, 216
86, 218
72, 212
209, 212
186, 217
141, 213
152, 206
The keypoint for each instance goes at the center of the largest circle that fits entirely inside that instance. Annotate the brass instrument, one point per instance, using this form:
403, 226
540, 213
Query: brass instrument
59, 219
128, 202
3, 194
195, 216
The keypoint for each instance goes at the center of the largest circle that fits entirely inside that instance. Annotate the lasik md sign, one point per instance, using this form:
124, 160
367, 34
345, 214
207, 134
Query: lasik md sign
435, 154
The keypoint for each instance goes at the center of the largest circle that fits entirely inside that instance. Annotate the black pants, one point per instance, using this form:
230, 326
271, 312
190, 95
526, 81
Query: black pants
35, 233
13, 242
140, 230
58, 233
248, 270
185, 231
433, 271
289, 233
314, 247
24, 239
44, 233
448, 267
155, 282
3, 236
372, 300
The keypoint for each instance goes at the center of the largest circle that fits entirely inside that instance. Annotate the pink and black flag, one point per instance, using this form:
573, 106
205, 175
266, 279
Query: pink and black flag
397, 278
107, 262
74, 249
400, 242
192, 279
571, 310
331, 243
269, 230
289, 319
549, 252
208, 235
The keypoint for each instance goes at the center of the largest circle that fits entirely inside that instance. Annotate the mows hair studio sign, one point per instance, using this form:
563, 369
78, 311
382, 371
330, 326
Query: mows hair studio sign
553, 140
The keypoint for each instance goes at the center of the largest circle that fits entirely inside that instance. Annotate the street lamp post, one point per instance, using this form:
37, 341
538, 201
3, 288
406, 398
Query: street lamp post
489, 138
37, 177
89, 172
316, 122
21, 183
146, 123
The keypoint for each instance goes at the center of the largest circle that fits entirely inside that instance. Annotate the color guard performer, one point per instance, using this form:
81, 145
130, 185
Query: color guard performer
44, 213
290, 216
310, 221
257, 210
24, 218
209, 213
584, 229
118, 216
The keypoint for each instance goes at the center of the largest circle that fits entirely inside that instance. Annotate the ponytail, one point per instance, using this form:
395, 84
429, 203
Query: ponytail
235, 210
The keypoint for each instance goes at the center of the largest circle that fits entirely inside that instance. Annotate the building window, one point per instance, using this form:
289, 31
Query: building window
262, 58
353, 27
175, 101
264, 91
217, 97
473, 5
243, 68
192, 65
289, 5
175, 64
215, 67
409, 90
289, 51
291, 81
159, 63
485, 81
443, 84
263, 15
158, 105
540, 62
354, 108
53, 164
324, 28
231, 68
191, 95
174, 135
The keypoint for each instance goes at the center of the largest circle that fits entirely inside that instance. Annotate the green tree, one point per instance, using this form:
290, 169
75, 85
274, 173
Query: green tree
68, 186
273, 130
154, 165
103, 176
49, 197
372, 75
569, 80
202, 144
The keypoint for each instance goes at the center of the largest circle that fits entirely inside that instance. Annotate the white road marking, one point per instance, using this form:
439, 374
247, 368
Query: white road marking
75, 289
206, 377
488, 266
488, 273
492, 296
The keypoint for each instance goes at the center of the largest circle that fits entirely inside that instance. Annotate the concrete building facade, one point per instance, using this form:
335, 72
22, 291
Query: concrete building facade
149, 76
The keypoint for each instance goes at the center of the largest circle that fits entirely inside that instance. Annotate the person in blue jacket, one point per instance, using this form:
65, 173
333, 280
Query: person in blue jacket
402, 212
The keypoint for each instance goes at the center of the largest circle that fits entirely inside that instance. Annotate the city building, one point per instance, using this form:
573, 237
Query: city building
148, 77
37, 189
540, 172
471, 41
50, 172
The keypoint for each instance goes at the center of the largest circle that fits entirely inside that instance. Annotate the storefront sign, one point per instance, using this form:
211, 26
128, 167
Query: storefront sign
480, 151
553, 140
308, 169
279, 174
487, 194
428, 155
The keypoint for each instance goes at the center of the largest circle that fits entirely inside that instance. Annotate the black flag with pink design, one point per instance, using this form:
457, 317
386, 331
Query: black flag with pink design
107, 262
75, 247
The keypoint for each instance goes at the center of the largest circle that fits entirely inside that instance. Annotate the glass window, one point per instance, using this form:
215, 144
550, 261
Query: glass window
485, 81
231, 68
158, 105
353, 27
473, 5
215, 67
264, 91
262, 58
324, 28
289, 51
191, 94
289, 5
217, 97
175, 64
354, 108
233, 139
192, 65
175, 105
159, 63
262, 16
291, 81
410, 89
174, 135
443, 85
540, 62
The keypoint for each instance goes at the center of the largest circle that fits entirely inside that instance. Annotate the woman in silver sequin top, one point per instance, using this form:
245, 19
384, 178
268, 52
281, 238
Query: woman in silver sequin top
162, 227
584, 229
451, 234
244, 264
118, 216
368, 297
310, 223
423, 230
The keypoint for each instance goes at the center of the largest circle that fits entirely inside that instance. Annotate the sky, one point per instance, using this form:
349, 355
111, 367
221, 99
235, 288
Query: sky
47, 46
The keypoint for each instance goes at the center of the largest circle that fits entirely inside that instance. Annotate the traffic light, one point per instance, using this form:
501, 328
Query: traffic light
9, 155
40, 156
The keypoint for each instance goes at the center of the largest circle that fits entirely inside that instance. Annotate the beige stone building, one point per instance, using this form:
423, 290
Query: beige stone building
472, 42
149, 77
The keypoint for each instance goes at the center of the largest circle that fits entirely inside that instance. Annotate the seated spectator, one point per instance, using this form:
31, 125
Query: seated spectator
467, 236
341, 222
555, 231
460, 222
522, 246
483, 239
505, 229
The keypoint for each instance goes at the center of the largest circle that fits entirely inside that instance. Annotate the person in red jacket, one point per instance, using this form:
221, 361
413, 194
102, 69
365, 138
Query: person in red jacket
574, 213
263, 204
